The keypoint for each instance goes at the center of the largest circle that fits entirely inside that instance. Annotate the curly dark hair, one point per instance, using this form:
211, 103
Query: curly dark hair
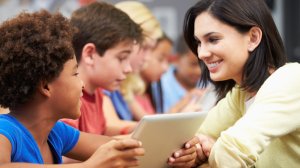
33, 48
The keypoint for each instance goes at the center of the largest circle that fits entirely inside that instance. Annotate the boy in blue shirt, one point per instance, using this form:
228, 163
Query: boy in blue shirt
39, 84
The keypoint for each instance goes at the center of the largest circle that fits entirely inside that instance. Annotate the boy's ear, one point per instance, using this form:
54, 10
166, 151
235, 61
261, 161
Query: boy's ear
255, 35
44, 89
88, 51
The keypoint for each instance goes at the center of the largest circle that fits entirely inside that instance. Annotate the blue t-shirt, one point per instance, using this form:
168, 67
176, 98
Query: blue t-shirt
120, 105
62, 139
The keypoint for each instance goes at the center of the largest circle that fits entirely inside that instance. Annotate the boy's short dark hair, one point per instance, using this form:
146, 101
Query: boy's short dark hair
33, 48
103, 25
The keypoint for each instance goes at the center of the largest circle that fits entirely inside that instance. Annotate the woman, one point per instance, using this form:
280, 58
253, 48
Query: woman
257, 121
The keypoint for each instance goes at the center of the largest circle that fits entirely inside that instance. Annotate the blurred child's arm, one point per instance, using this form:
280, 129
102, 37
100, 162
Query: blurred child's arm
137, 110
114, 125
106, 151
87, 144
189, 103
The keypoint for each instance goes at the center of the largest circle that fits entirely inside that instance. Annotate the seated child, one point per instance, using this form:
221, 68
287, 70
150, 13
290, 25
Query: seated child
139, 13
40, 85
177, 90
103, 43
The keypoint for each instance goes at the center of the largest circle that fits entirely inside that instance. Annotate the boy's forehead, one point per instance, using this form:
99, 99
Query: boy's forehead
123, 46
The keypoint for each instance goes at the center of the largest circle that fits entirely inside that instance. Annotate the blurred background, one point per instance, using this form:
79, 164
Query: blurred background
170, 13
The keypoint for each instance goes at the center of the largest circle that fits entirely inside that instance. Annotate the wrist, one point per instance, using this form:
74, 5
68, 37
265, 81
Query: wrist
86, 164
125, 130
197, 163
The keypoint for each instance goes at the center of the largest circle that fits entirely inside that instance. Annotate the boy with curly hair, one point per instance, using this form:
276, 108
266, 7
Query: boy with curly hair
102, 47
39, 84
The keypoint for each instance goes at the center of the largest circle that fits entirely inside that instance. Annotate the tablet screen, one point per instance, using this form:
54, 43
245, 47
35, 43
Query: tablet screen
163, 134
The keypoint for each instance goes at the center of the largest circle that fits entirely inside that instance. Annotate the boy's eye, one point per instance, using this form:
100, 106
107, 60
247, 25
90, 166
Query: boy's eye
76, 74
124, 57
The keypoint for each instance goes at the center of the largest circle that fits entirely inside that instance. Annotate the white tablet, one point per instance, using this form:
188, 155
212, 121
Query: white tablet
163, 134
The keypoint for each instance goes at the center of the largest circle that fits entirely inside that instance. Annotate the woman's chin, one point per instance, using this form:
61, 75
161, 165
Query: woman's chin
216, 78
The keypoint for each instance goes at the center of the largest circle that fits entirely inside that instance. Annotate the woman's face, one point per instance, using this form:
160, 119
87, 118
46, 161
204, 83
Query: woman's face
221, 47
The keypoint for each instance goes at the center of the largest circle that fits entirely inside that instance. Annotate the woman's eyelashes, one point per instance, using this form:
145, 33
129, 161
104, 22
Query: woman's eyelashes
213, 40
210, 40
198, 42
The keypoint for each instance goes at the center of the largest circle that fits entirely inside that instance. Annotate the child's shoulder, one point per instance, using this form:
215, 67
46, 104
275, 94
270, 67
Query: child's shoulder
10, 128
7, 121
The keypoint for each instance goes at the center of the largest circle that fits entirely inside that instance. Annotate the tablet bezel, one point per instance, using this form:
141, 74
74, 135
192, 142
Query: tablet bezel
163, 134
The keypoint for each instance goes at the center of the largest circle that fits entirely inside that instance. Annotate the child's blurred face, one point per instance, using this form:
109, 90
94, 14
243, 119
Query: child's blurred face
157, 63
66, 91
188, 70
140, 54
112, 67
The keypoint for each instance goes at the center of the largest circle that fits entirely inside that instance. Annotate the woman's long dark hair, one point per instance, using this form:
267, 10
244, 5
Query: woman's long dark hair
242, 15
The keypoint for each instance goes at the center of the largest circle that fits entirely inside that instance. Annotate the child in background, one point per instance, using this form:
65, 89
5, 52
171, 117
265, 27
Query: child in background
141, 103
139, 13
103, 43
155, 66
181, 77
177, 90
134, 87
40, 85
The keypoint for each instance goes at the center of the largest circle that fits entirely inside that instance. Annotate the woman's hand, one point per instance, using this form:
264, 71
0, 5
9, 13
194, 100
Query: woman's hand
206, 143
187, 157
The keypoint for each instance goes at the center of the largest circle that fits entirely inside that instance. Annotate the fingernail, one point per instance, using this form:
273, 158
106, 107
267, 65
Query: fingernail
140, 143
176, 154
187, 145
197, 146
171, 159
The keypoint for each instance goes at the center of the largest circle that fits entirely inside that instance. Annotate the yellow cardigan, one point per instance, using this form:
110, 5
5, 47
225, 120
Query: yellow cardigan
267, 134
